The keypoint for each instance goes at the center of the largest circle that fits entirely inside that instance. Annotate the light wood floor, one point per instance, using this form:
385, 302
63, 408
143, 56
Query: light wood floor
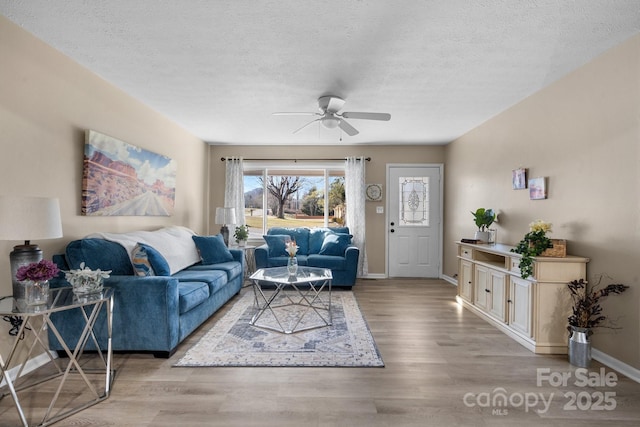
435, 352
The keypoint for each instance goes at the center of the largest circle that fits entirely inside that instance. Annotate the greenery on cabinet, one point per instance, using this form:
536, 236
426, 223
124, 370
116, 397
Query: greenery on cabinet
532, 245
586, 310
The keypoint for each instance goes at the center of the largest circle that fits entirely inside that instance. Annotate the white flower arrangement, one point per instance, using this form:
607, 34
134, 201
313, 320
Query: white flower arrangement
86, 281
540, 225
292, 248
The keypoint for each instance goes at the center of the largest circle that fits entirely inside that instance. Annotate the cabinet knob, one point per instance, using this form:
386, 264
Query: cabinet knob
487, 290
509, 301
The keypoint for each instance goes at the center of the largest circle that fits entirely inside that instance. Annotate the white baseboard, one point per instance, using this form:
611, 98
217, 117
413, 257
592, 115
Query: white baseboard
376, 276
613, 363
31, 365
449, 279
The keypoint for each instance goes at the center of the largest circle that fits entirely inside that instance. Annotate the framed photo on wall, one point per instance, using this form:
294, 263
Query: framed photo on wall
122, 179
537, 188
519, 178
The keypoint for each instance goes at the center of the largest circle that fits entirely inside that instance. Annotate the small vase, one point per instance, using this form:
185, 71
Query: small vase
36, 293
87, 286
483, 236
579, 347
292, 265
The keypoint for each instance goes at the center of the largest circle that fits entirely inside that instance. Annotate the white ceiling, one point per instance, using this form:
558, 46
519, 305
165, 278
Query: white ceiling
220, 68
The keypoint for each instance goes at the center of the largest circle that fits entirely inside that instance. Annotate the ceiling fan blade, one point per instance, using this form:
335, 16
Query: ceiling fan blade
296, 114
350, 130
299, 129
367, 116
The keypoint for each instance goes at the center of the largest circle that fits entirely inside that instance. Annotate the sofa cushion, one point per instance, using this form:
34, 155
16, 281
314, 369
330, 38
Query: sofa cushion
335, 263
212, 249
335, 244
277, 244
158, 263
216, 279
99, 253
191, 294
232, 268
299, 234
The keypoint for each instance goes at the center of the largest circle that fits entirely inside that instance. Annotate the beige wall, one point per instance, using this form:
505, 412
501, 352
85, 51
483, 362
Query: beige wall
583, 133
375, 170
46, 103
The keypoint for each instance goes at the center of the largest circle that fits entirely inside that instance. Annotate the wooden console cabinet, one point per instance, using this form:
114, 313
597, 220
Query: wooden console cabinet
532, 311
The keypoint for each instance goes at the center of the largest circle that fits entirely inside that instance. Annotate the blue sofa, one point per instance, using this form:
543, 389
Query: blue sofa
152, 313
317, 247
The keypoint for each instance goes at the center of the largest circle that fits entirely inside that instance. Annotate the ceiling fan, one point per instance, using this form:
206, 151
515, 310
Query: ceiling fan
330, 117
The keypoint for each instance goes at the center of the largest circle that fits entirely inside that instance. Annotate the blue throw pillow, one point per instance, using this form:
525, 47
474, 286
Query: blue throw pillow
212, 249
277, 244
316, 237
158, 263
335, 244
99, 253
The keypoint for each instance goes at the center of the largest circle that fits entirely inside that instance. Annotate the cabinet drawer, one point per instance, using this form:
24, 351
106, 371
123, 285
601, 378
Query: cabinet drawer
466, 252
514, 264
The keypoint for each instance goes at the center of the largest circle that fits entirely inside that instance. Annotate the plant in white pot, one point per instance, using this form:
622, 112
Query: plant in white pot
241, 234
483, 219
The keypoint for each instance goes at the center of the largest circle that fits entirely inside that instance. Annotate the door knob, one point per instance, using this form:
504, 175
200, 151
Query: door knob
392, 230
393, 223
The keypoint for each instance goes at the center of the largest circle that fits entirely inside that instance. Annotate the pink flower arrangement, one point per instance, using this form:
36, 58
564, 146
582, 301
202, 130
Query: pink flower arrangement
292, 248
38, 271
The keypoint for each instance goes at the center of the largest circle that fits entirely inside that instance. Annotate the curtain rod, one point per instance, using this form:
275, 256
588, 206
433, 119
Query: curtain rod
368, 159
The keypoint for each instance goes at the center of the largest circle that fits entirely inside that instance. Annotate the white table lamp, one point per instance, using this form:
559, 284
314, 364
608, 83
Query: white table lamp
27, 218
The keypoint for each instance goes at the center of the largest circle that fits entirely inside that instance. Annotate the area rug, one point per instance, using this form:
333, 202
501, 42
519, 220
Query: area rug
232, 341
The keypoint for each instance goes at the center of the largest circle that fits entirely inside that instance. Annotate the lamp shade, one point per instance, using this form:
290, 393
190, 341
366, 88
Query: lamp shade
225, 215
29, 218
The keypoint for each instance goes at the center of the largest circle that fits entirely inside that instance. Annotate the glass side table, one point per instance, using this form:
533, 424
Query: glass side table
35, 321
249, 260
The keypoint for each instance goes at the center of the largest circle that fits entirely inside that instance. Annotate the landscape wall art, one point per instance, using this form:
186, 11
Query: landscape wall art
121, 179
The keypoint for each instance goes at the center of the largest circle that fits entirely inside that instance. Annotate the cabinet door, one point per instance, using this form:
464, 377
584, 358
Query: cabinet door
481, 289
498, 295
465, 281
520, 309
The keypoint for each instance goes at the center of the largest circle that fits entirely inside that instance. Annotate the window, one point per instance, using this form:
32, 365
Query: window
293, 196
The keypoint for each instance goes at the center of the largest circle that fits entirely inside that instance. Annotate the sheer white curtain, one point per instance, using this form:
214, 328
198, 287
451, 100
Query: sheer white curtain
234, 188
354, 187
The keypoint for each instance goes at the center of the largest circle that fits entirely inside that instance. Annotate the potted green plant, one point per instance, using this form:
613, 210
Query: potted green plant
241, 234
532, 245
483, 219
586, 314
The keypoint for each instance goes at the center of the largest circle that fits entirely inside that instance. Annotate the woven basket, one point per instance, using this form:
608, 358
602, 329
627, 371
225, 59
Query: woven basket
559, 249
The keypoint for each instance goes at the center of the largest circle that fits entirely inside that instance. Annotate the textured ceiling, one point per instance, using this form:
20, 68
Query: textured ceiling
220, 68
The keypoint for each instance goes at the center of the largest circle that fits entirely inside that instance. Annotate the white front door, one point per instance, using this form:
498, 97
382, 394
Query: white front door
413, 222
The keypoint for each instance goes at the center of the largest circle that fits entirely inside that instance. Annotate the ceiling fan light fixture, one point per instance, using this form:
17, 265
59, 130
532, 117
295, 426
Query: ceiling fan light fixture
331, 122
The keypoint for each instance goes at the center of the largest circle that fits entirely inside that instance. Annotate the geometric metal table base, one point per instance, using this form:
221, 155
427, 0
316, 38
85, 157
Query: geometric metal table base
276, 292
60, 299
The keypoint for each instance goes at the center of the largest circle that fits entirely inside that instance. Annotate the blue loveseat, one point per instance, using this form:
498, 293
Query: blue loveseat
160, 297
317, 247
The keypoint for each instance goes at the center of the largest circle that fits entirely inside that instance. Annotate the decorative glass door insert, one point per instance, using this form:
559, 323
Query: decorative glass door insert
414, 201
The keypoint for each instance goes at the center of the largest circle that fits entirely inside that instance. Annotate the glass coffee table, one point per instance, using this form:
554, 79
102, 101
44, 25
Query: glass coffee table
292, 303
